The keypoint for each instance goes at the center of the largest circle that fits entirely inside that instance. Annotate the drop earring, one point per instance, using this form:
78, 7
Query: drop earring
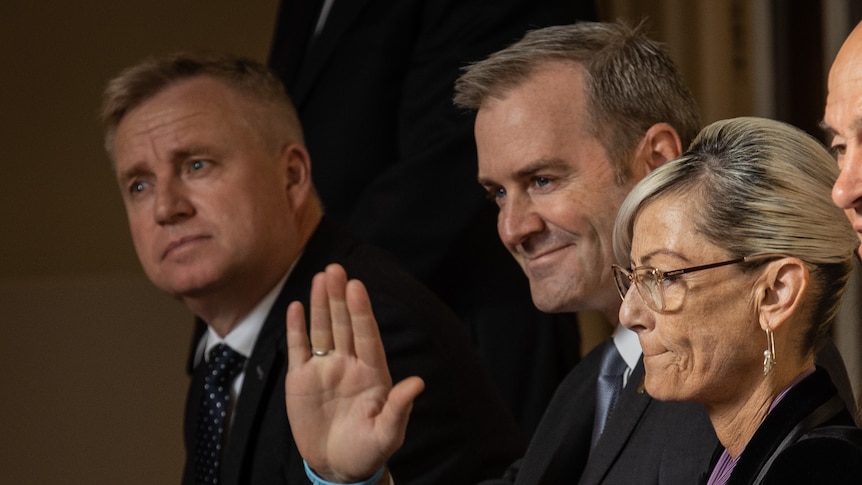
769, 353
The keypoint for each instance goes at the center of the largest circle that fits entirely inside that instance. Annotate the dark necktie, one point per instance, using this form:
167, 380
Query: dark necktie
223, 366
608, 387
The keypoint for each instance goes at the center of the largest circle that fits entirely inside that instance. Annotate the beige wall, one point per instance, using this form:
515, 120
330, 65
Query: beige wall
710, 41
92, 356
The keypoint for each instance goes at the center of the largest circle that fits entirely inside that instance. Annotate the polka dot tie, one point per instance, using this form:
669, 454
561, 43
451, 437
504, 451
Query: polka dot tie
223, 366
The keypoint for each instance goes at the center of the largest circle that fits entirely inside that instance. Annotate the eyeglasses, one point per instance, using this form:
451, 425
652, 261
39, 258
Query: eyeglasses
654, 285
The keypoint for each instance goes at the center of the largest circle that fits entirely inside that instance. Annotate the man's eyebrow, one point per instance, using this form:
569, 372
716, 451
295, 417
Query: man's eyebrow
136, 170
855, 126
187, 151
541, 165
826, 128
533, 168
176, 156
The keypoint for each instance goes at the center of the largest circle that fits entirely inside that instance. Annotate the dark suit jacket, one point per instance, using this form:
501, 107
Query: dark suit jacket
811, 437
645, 441
395, 161
459, 431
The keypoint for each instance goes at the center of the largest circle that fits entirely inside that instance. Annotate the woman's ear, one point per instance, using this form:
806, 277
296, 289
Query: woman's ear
781, 291
659, 144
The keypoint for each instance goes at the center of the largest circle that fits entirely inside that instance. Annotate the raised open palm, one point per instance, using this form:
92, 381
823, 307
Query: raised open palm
346, 417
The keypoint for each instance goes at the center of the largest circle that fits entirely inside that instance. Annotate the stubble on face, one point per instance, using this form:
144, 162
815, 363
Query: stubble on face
214, 211
555, 188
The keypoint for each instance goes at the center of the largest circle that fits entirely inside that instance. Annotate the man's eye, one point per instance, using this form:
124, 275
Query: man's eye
137, 187
196, 165
837, 150
493, 194
542, 181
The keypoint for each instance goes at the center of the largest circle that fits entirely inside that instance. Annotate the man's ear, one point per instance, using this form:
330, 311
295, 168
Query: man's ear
781, 291
296, 164
659, 144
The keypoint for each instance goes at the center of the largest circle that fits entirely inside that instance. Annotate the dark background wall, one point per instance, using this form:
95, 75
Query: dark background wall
92, 356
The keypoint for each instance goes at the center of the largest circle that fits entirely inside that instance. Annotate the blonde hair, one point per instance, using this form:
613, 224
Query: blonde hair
759, 186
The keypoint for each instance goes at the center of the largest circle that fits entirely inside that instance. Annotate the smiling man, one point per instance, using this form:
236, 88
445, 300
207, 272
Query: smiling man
554, 186
568, 120
209, 157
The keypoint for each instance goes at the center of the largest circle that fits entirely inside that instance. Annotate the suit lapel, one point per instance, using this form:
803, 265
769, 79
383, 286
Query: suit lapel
632, 404
190, 422
263, 367
340, 18
807, 405
561, 444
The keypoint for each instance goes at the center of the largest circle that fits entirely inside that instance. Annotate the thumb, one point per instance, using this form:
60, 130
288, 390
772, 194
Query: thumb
396, 412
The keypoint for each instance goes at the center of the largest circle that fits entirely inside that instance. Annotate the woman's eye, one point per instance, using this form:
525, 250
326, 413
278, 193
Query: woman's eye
670, 279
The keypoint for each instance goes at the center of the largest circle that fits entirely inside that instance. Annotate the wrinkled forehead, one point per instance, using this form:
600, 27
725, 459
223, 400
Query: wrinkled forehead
847, 66
843, 111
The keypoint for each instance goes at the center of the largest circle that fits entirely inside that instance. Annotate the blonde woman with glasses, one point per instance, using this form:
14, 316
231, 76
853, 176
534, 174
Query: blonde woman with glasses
735, 263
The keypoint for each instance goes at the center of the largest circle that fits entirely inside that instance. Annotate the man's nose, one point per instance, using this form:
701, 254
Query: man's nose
847, 191
171, 203
517, 220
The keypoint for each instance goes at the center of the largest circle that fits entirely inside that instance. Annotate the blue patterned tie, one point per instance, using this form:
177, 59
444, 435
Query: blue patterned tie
608, 387
223, 366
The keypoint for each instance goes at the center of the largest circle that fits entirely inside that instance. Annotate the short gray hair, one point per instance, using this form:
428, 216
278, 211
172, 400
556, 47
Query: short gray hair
631, 82
139, 83
759, 186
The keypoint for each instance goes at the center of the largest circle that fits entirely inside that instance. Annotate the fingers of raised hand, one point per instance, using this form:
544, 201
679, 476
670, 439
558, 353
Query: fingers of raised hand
369, 347
321, 318
340, 315
342, 319
298, 350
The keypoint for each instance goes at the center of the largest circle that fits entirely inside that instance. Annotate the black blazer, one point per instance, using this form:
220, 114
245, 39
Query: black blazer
645, 441
459, 431
395, 161
809, 438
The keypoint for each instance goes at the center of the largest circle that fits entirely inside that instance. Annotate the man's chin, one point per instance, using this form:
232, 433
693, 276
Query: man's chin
549, 303
182, 288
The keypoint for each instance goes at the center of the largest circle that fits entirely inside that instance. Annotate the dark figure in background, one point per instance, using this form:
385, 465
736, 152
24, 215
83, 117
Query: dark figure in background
396, 162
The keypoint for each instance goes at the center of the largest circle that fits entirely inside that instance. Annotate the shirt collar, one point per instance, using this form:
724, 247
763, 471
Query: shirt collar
628, 345
243, 337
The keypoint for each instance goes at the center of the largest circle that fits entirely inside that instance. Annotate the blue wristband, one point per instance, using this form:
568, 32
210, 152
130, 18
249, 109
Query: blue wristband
316, 480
